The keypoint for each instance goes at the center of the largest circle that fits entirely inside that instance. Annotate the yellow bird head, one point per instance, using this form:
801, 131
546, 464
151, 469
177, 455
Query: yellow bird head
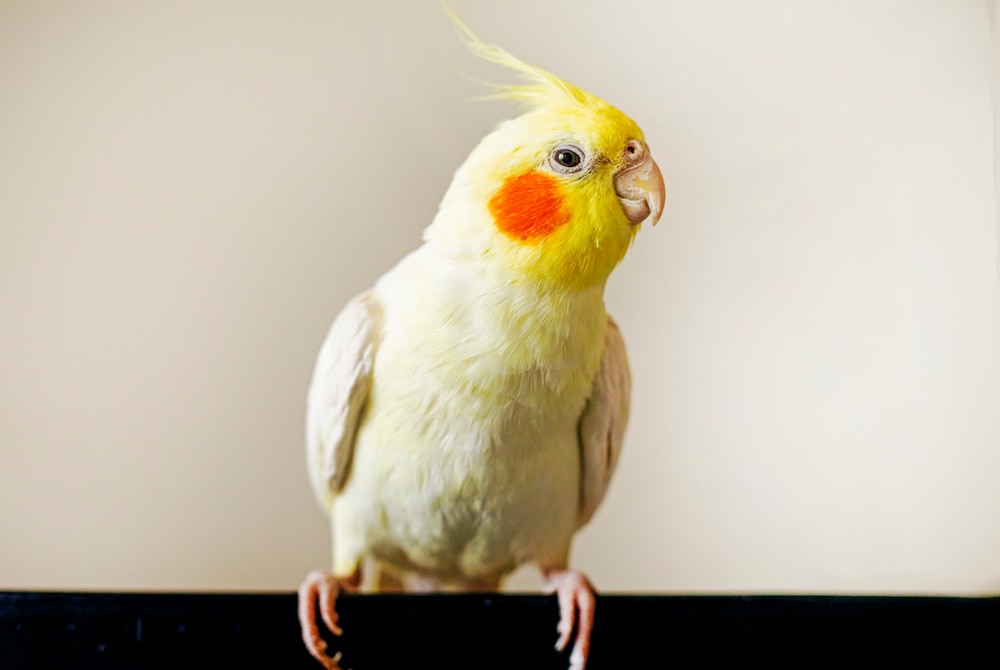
555, 195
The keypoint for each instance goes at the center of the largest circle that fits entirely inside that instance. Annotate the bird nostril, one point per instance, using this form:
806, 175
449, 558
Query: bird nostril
634, 149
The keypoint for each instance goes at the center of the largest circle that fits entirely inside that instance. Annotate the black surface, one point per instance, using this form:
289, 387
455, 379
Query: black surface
155, 630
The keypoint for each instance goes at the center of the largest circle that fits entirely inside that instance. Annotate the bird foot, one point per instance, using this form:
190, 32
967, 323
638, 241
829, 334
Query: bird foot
320, 591
576, 610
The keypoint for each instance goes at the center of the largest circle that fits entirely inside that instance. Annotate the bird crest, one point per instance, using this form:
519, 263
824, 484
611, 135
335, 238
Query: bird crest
539, 88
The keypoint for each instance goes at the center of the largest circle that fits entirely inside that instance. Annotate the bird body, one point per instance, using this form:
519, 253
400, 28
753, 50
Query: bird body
466, 462
467, 412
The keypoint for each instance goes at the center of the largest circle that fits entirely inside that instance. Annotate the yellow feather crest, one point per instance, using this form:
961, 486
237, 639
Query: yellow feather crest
541, 88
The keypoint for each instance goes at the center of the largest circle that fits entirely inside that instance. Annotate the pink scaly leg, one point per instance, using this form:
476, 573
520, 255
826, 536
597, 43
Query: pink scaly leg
319, 590
577, 604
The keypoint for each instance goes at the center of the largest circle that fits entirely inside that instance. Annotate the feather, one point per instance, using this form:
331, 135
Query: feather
338, 393
602, 425
541, 88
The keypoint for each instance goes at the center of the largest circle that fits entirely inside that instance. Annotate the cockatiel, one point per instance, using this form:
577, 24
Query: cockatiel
466, 413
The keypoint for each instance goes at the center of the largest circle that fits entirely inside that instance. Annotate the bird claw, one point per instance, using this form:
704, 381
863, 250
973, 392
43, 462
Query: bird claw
319, 591
576, 610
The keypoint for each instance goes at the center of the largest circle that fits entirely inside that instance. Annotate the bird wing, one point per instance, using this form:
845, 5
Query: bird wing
602, 424
340, 386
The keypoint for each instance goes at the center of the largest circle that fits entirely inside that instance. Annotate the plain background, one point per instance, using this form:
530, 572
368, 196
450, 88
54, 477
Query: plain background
190, 191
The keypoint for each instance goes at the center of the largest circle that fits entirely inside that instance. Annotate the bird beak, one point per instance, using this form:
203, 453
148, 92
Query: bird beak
639, 184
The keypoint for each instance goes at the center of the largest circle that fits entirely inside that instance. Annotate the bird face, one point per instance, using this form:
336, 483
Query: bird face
554, 196
567, 189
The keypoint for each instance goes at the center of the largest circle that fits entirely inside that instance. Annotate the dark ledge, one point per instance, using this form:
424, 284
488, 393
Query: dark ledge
157, 630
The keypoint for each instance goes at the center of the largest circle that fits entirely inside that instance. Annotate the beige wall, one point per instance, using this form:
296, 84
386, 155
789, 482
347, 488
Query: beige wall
190, 191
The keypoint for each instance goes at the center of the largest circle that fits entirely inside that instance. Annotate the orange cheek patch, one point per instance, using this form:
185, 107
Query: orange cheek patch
528, 207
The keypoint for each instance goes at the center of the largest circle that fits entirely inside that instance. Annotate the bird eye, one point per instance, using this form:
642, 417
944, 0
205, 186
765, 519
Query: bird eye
566, 159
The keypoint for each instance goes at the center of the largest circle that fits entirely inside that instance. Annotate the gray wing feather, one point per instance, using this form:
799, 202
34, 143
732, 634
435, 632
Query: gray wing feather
338, 394
602, 424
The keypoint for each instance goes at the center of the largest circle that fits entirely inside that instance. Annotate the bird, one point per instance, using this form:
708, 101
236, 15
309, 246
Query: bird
466, 412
